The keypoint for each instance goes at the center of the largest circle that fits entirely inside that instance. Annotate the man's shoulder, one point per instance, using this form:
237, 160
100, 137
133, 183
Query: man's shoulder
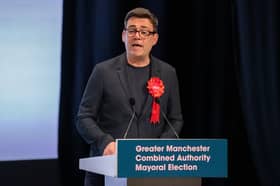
111, 62
162, 64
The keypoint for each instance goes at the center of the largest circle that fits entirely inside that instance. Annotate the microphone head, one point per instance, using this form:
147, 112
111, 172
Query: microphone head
132, 101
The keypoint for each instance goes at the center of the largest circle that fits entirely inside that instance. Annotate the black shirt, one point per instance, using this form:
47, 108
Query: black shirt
137, 79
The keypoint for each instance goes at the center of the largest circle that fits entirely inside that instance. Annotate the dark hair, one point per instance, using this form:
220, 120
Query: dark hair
142, 13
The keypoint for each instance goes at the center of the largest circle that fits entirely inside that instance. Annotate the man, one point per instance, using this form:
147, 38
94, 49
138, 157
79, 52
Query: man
133, 95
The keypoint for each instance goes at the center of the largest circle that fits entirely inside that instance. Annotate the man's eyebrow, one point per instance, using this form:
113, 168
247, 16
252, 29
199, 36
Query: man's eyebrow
134, 26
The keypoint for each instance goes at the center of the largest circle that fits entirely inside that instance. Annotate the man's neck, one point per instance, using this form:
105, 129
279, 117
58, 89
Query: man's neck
138, 62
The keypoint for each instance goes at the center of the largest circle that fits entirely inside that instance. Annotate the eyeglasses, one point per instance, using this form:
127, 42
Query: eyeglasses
143, 33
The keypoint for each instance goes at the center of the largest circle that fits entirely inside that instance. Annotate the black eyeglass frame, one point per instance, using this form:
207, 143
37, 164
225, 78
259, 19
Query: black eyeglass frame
143, 33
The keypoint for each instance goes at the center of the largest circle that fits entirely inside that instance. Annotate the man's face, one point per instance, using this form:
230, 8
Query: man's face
139, 37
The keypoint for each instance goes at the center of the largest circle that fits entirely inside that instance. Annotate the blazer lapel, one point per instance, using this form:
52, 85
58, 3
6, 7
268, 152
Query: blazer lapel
122, 74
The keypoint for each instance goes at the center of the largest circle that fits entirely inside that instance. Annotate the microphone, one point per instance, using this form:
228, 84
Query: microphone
170, 125
132, 103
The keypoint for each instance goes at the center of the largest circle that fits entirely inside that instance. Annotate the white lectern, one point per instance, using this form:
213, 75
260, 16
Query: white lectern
107, 166
155, 162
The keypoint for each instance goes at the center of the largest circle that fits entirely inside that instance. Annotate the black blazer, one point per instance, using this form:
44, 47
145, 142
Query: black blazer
105, 108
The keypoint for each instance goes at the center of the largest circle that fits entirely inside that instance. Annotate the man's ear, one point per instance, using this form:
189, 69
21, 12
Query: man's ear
155, 38
123, 36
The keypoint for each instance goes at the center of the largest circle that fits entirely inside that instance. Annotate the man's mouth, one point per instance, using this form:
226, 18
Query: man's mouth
137, 45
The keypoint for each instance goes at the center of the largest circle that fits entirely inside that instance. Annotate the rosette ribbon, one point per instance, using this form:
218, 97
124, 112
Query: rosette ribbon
156, 88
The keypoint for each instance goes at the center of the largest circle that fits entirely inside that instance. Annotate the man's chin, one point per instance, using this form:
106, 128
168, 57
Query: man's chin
137, 53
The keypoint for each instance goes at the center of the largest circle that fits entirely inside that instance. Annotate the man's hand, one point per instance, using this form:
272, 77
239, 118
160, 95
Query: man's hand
110, 149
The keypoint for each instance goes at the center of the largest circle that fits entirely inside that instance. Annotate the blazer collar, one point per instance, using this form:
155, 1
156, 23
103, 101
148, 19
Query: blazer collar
121, 71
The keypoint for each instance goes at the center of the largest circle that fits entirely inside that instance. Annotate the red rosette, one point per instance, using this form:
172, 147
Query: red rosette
155, 87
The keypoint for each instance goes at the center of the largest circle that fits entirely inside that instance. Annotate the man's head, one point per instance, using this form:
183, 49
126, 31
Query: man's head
140, 33
142, 13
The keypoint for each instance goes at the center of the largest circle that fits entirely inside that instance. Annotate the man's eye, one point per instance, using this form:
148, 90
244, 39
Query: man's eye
143, 32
